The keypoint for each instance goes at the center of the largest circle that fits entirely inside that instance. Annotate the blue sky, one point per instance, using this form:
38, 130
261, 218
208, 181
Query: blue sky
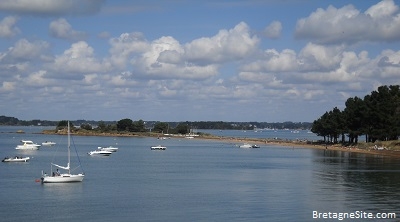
269, 61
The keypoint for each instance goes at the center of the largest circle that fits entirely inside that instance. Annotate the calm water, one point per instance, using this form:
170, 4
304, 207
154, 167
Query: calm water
193, 180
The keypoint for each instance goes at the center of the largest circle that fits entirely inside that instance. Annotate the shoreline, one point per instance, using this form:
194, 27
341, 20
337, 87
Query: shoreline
305, 145
237, 141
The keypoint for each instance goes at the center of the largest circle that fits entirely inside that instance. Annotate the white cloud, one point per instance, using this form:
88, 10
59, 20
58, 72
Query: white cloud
273, 61
60, 28
384, 8
273, 30
167, 58
227, 45
38, 79
315, 57
8, 86
51, 7
126, 45
77, 60
381, 22
7, 27
25, 50
388, 65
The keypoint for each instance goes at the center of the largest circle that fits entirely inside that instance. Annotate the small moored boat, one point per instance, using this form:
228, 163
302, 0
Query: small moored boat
48, 143
246, 145
99, 153
110, 148
16, 159
27, 145
159, 147
66, 177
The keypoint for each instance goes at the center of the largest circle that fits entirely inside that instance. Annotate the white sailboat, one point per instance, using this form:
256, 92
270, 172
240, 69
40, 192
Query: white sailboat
63, 177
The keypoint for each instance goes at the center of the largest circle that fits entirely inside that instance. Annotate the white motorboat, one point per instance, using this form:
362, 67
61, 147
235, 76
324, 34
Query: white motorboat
159, 147
246, 145
48, 143
27, 145
100, 153
109, 148
255, 146
16, 159
63, 177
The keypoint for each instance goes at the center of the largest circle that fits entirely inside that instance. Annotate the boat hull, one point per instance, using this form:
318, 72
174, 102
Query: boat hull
99, 153
27, 148
8, 160
48, 143
63, 178
158, 148
109, 149
27, 145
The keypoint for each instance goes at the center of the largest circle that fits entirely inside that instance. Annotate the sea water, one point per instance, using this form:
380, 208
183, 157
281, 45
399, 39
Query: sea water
194, 180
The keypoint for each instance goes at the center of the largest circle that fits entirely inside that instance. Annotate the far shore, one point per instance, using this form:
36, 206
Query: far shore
387, 151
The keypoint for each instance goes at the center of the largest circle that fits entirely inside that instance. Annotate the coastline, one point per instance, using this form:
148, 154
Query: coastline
236, 140
307, 145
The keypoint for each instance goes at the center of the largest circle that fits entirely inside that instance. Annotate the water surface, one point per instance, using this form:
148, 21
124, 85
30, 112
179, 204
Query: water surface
194, 180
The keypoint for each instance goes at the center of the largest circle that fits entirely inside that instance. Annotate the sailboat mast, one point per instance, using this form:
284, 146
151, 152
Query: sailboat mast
69, 154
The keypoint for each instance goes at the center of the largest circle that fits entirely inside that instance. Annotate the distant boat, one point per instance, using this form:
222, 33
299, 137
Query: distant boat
159, 147
27, 145
109, 148
100, 153
63, 177
246, 145
16, 159
255, 146
48, 143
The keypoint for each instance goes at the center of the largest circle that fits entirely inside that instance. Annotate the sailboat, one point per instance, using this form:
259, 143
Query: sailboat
63, 177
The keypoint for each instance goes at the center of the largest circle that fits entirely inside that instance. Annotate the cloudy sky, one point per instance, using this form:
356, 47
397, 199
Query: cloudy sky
198, 60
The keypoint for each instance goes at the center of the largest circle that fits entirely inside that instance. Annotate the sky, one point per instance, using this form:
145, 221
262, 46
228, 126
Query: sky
194, 60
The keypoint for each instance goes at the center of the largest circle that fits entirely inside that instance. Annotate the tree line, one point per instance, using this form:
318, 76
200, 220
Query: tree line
157, 125
376, 116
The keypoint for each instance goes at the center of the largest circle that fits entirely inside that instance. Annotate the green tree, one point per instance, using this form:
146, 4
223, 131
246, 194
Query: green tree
63, 124
86, 126
354, 118
182, 128
160, 127
138, 126
124, 125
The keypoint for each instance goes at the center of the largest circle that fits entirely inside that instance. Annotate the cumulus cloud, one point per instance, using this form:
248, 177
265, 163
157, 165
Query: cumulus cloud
273, 61
126, 45
167, 58
51, 7
314, 57
317, 66
28, 51
77, 61
227, 45
8, 86
62, 29
348, 25
273, 30
7, 27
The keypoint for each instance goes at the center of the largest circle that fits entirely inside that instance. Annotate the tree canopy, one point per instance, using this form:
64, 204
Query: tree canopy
377, 116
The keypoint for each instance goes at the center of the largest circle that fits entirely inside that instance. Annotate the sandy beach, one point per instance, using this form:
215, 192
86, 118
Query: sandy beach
306, 145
